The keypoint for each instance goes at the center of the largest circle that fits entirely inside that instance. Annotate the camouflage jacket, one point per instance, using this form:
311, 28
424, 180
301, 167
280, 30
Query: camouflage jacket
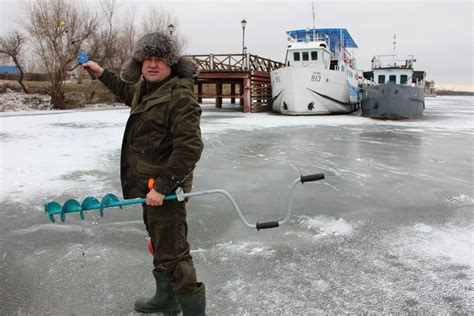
162, 138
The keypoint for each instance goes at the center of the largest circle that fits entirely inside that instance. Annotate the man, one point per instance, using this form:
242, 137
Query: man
162, 141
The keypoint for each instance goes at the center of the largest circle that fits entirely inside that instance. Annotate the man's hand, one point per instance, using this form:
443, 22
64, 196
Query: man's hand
154, 198
95, 68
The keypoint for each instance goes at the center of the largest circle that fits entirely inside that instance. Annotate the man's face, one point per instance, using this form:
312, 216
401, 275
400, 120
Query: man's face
155, 69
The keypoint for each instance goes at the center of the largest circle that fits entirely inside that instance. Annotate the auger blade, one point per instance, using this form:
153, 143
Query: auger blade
70, 206
52, 208
109, 200
90, 203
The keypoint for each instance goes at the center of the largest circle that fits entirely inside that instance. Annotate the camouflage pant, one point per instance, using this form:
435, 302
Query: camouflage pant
168, 230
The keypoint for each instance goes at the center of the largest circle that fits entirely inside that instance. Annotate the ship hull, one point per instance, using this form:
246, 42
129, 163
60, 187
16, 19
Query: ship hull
393, 101
312, 91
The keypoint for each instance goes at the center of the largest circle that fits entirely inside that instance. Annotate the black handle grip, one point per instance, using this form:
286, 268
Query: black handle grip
266, 225
91, 74
312, 177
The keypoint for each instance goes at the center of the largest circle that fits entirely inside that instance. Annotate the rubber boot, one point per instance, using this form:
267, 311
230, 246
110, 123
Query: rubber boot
164, 299
194, 303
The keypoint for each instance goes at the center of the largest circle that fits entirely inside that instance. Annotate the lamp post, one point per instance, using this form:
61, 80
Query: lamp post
171, 28
244, 24
245, 57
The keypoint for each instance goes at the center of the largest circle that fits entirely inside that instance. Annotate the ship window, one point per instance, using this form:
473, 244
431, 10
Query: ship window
342, 67
392, 79
305, 56
296, 56
403, 79
314, 55
381, 79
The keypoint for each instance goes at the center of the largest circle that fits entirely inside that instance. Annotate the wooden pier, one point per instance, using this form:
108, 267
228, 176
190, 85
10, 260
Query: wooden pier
249, 73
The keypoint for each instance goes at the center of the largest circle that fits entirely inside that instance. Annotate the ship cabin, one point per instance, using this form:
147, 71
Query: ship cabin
312, 54
327, 48
387, 69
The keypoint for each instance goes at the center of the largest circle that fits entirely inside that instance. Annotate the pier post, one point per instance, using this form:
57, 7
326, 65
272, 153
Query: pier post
219, 94
241, 92
199, 92
232, 92
246, 95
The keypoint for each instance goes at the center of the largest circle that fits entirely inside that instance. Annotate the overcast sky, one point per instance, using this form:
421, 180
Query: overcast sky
438, 33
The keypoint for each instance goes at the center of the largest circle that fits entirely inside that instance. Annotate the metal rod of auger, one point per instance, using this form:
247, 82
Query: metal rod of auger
265, 225
229, 197
138, 201
290, 202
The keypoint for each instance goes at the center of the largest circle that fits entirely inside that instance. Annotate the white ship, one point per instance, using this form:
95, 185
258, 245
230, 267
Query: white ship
320, 76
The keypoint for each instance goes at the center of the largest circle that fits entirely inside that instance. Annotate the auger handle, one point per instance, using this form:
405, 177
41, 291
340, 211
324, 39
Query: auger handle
312, 177
266, 225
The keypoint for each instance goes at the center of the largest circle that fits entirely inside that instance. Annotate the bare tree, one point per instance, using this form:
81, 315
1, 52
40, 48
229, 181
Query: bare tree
158, 20
104, 44
127, 36
58, 28
12, 45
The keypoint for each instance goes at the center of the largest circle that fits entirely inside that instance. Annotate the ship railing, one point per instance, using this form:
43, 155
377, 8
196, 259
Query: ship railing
387, 61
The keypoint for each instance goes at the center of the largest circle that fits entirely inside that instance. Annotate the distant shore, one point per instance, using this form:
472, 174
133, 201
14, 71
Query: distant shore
453, 92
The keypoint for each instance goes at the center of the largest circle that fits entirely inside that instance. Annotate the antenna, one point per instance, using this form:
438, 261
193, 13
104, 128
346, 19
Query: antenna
394, 46
313, 23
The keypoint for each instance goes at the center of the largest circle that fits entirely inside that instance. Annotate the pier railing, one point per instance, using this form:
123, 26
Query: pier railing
235, 62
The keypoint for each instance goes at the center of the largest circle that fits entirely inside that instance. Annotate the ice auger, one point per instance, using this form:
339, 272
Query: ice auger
110, 200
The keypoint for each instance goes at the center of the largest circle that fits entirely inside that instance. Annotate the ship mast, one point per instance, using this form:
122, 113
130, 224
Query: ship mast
314, 32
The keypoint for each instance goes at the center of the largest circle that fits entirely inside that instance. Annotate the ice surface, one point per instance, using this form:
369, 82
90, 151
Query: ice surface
388, 231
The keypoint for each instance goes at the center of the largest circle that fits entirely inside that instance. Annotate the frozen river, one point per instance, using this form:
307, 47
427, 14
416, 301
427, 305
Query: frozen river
389, 230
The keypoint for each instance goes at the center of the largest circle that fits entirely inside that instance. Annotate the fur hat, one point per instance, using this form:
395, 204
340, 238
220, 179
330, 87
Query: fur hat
159, 45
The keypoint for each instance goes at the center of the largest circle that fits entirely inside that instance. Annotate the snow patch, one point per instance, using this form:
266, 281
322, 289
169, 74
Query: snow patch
461, 200
450, 243
326, 225
320, 285
229, 250
18, 101
47, 154
423, 228
245, 248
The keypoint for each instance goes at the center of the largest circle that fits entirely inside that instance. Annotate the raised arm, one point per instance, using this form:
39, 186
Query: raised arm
120, 88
